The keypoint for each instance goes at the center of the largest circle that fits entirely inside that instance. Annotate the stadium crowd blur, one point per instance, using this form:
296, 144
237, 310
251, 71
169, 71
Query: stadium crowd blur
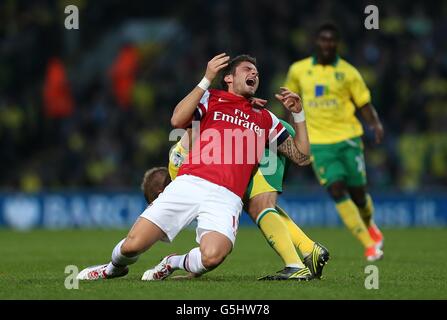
90, 108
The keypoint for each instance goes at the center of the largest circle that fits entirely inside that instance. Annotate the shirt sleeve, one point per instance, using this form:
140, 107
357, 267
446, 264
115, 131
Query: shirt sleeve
358, 90
202, 107
292, 81
277, 131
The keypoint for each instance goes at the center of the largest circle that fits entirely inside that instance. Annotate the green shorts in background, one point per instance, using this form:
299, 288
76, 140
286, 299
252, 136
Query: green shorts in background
342, 161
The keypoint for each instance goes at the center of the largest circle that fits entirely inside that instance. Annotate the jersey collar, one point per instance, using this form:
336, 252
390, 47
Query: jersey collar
334, 64
231, 96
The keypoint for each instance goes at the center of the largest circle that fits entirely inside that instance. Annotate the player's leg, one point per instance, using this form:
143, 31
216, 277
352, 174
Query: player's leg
268, 181
349, 212
217, 223
364, 202
141, 237
213, 249
261, 209
262, 193
163, 220
315, 255
329, 167
300, 240
356, 181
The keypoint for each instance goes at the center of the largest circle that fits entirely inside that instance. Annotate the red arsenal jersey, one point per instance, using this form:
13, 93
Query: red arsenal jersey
233, 135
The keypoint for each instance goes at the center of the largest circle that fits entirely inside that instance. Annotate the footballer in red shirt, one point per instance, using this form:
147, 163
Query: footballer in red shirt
211, 183
233, 134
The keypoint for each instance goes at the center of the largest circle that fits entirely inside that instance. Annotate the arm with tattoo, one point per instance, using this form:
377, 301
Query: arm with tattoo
289, 149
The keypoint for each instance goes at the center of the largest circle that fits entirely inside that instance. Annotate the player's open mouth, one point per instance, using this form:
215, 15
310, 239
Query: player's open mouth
250, 82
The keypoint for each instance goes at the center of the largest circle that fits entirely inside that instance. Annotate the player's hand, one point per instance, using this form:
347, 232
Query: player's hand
378, 132
215, 65
290, 100
258, 102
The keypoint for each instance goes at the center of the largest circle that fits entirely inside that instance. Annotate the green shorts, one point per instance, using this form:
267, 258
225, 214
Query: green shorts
342, 161
269, 176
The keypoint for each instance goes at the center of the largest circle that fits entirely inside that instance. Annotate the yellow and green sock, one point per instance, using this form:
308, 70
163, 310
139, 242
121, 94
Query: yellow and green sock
350, 215
300, 240
278, 237
367, 211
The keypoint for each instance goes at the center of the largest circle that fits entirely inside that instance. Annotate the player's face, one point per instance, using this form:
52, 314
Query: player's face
327, 45
245, 79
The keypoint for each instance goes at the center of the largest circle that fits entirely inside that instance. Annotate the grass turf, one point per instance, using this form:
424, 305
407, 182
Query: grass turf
32, 266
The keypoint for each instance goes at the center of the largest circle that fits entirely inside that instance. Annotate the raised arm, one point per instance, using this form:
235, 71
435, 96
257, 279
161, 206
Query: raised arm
296, 149
184, 111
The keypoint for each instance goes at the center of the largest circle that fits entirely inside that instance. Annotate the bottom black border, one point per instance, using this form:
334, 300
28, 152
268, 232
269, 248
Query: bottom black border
223, 309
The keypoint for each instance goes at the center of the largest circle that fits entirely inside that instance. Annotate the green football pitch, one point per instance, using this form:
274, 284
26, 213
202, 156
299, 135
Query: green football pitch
32, 266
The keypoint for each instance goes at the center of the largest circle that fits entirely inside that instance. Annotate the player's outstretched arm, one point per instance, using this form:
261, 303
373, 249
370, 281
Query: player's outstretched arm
296, 149
184, 111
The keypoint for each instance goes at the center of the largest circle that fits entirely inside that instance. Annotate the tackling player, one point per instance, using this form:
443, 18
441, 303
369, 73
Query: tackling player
332, 90
282, 234
210, 192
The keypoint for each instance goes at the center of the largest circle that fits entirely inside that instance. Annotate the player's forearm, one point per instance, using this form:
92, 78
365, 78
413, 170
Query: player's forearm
186, 140
301, 139
184, 111
370, 115
297, 149
289, 149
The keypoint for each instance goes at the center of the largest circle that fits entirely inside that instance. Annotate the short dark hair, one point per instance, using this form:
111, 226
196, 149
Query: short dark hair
154, 182
329, 26
232, 65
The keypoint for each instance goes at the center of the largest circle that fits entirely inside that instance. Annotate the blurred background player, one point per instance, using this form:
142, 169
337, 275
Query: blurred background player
282, 234
332, 91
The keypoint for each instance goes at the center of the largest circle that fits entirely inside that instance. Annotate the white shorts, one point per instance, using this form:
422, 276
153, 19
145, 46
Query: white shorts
189, 197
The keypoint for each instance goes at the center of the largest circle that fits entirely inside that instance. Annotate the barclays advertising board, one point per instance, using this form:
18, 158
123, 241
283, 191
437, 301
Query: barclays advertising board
118, 210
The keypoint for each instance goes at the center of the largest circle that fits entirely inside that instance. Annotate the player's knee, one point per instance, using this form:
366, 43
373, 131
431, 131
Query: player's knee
212, 257
358, 196
337, 190
359, 200
259, 203
131, 247
253, 211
